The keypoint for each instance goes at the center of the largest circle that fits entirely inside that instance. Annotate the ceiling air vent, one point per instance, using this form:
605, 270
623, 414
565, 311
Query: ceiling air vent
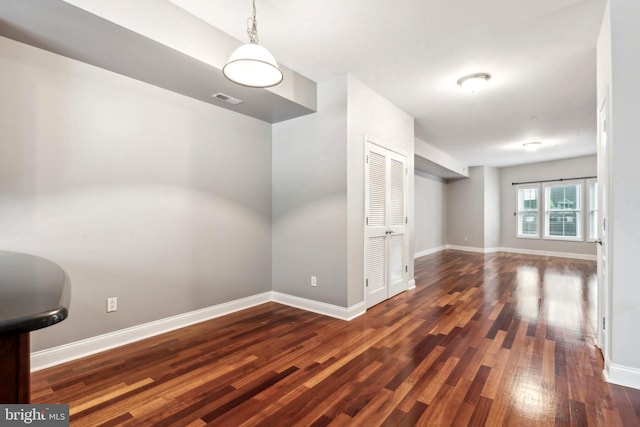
226, 98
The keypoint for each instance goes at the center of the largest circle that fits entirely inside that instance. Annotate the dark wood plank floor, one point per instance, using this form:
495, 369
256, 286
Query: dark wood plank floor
495, 340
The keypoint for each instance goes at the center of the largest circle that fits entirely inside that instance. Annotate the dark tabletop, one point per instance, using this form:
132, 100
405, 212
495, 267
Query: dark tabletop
34, 293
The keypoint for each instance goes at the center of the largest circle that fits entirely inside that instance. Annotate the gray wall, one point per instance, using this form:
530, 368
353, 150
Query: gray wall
465, 210
568, 168
318, 190
310, 199
137, 192
492, 216
372, 115
430, 212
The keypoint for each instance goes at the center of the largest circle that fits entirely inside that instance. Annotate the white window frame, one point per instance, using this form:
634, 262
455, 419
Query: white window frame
578, 210
520, 211
591, 209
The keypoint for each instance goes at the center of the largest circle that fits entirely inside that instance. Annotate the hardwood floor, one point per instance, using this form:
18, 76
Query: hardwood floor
495, 340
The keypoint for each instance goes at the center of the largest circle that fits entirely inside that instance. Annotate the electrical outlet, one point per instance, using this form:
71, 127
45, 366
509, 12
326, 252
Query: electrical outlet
313, 281
112, 304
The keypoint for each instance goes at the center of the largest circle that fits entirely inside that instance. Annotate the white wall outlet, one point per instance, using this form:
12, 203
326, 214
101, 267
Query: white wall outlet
313, 281
112, 304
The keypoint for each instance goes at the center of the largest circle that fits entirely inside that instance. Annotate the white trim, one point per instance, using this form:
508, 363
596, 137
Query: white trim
466, 248
411, 284
64, 353
327, 309
550, 253
429, 251
56, 355
511, 250
381, 144
622, 375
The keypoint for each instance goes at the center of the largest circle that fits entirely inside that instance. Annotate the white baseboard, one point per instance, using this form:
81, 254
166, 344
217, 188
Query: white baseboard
64, 353
511, 250
319, 307
429, 251
411, 284
75, 350
550, 253
622, 375
466, 248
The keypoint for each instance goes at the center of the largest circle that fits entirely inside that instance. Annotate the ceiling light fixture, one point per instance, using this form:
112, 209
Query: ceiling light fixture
252, 65
532, 146
474, 82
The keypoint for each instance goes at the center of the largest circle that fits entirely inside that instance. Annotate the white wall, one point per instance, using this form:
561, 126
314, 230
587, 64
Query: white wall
310, 199
137, 192
372, 115
567, 168
624, 237
430, 212
439, 157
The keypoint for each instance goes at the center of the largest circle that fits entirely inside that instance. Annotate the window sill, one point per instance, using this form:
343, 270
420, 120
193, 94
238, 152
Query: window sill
564, 239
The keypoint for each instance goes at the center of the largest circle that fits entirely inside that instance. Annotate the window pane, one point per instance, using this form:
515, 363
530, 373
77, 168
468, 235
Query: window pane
529, 224
563, 211
563, 224
528, 203
530, 198
563, 197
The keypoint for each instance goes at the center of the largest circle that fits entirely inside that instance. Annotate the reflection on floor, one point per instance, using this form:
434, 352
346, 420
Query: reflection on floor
496, 340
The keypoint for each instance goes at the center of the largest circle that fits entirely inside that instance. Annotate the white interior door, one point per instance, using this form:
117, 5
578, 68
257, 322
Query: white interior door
385, 224
603, 229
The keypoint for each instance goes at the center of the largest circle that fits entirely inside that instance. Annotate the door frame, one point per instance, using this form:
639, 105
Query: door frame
603, 334
369, 140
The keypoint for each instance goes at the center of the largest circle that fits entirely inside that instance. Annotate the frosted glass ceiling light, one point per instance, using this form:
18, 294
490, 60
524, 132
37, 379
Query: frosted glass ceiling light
532, 146
474, 82
251, 64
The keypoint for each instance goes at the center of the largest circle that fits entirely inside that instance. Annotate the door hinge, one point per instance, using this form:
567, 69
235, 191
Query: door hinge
406, 171
603, 324
406, 220
367, 159
366, 282
367, 220
604, 224
406, 268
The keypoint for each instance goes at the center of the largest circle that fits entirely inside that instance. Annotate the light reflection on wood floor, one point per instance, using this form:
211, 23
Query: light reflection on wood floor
496, 340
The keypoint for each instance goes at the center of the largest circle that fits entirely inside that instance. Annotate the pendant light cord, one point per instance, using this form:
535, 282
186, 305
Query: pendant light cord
252, 26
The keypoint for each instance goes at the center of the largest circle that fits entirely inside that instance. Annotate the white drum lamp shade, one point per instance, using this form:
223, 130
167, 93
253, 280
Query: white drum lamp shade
252, 65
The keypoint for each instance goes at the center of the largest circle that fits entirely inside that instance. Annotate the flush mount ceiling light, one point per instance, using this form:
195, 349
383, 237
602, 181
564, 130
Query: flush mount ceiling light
532, 146
252, 65
474, 82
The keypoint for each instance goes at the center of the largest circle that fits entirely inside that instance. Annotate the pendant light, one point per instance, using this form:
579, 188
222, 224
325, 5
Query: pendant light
252, 65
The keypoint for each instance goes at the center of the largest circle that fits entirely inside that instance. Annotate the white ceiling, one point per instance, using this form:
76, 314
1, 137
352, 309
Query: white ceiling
540, 53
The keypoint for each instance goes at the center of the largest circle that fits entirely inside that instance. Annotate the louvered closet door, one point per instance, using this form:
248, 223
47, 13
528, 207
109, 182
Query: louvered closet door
385, 259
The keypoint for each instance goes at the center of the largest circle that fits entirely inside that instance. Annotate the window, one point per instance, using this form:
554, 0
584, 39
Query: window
528, 203
563, 211
593, 210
